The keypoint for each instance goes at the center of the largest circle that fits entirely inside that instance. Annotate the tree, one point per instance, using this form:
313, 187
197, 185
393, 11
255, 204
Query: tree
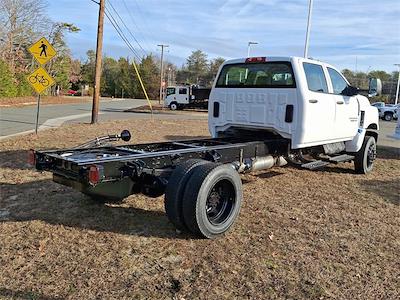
213, 69
22, 22
149, 71
7, 86
88, 68
197, 67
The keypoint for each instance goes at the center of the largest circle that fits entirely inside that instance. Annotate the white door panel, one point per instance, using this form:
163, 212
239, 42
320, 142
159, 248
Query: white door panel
346, 116
318, 118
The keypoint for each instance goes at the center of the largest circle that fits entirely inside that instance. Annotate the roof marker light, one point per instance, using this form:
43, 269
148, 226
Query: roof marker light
256, 59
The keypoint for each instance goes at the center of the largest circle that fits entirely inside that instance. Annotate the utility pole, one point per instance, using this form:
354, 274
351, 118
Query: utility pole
162, 70
99, 49
249, 46
398, 86
310, 8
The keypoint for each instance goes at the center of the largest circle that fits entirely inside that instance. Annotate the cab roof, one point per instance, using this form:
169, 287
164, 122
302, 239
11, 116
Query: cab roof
270, 58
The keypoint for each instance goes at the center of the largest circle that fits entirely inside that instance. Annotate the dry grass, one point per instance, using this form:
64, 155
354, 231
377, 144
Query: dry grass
330, 234
26, 101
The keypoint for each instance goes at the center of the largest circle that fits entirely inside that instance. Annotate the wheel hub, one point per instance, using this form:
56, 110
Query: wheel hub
213, 201
220, 202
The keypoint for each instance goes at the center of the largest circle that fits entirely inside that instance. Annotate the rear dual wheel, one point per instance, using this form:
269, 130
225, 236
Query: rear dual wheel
210, 202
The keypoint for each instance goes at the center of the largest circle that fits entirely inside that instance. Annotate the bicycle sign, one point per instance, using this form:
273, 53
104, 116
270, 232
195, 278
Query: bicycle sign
40, 80
42, 51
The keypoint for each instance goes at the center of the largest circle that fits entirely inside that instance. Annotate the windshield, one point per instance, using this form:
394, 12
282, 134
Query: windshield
257, 75
170, 91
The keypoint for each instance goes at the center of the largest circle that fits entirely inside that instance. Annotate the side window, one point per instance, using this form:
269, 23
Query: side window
338, 82
170, 91
316, 80
182, 91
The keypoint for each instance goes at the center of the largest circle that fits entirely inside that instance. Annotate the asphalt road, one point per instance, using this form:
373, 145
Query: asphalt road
16, 120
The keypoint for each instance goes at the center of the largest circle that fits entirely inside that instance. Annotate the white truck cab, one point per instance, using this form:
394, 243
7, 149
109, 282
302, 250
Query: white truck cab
177, 95
186, 96
306, 101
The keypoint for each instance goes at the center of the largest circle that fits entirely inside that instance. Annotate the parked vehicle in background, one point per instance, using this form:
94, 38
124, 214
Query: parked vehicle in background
185, 96
387, 112
263, 112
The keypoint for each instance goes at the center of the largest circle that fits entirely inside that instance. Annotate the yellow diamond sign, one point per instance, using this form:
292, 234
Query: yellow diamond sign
43, 51
40, 80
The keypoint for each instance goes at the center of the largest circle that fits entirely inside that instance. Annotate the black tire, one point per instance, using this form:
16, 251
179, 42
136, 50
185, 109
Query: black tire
388, 117
174, 191
212, 200
173, 106
365, 157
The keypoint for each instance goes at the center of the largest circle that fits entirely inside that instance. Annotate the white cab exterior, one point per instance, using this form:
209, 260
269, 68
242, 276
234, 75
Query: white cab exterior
319, 117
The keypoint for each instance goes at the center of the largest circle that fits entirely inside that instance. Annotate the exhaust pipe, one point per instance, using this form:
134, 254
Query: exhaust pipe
259, 163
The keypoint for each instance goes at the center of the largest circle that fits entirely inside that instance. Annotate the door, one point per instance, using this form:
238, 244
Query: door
346, 107
319, 108
182, 95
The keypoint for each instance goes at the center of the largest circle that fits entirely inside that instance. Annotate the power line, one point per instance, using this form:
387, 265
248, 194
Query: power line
126, 27
129, 45
120, 32
134, 22
145, 24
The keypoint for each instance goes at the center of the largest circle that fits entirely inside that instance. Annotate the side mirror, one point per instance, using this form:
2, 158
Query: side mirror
125, 135
375, 87
351, 91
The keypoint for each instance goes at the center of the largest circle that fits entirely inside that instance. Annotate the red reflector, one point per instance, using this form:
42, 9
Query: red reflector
95, 174
31, 157
256, 59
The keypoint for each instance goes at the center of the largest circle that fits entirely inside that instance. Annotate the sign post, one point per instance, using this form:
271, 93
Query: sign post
40, 80
37, 114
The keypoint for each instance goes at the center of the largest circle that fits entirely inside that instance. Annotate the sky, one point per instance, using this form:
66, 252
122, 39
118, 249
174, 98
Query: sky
361, 35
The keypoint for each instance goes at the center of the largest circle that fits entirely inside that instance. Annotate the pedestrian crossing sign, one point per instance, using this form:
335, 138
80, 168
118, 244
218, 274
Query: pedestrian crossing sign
42, 51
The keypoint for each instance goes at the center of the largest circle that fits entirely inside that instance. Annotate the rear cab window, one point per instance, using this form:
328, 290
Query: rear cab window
315, 75
257, 75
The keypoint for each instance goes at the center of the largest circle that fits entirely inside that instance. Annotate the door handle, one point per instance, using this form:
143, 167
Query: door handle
340, 102
313, 101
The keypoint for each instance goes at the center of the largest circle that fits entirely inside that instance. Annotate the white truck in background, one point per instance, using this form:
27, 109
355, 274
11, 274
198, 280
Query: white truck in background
387, 112
186, 96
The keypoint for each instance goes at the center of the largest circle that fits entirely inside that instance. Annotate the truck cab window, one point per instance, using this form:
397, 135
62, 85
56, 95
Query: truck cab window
316, 80
257, 75
170, 91
338, 82
182, 91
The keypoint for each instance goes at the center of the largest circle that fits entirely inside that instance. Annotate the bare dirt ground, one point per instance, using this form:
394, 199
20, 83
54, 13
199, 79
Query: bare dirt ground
25, 101
301, 234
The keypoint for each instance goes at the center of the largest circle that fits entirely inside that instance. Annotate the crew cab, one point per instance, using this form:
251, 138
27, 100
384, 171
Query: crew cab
308, 102
264, 112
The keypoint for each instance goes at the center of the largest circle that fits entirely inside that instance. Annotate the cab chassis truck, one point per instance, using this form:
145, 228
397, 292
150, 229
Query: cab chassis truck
263, 112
